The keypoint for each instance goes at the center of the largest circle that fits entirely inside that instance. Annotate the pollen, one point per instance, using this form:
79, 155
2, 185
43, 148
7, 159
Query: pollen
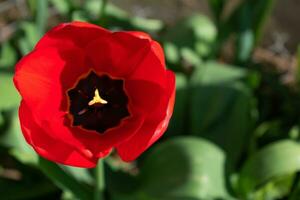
97, 99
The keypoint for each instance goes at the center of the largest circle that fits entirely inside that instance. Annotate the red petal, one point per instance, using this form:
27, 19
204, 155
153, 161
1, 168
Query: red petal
97, 143
42, 86
77, 34
151, 68
144, 96
48, 147
140, 35
153, 128
43, 75
117, 54
156, 48
110, 55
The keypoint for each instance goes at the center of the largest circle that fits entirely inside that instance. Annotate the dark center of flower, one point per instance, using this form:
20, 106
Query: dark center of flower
98, 102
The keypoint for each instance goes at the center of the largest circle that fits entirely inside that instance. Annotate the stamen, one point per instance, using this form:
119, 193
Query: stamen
97, 99
82, 112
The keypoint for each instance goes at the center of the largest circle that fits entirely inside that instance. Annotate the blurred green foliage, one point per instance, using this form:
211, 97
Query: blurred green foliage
234, 133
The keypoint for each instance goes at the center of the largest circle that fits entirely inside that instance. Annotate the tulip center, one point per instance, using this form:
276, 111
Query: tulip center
98, 102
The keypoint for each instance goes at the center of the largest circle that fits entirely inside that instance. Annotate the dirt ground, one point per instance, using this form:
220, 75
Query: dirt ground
282, 30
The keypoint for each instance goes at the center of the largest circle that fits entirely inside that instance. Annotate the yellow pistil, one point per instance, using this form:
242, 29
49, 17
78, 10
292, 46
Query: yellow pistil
97, 99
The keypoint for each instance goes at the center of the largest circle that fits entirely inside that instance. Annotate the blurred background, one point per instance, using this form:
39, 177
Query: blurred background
234, 134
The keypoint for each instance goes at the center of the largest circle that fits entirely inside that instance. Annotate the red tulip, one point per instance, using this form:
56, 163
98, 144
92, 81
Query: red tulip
86, 90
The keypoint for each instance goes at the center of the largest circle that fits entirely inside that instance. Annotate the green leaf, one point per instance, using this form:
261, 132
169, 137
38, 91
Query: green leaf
245, 34
30, 37
298, 65
149, 25
14, 139
203, 28
196, 32
221, 107
62, 6
190, 56
298, 56
262, 10
178, 120
214, 73
245, 45
171, 53
79, 15
21, 190
24, 46
32, 4
8, 93
120, 185
80, 174
41, 17
278, 188
184, 168
276, 160
64, 180
217, 7
8, 56
93, 8
296, 192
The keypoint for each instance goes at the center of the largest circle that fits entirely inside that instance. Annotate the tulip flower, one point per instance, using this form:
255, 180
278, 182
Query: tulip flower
86, 90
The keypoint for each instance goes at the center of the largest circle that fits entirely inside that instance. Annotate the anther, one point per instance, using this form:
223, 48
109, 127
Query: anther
97, 99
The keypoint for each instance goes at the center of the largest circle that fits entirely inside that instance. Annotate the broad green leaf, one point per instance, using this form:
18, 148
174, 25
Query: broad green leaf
64, 180
30, 186
296, 192
69, 178
8, 56
278, 188
214, 73
178, 120
276, 160
9, 96
22, 190
220, 107
184, 168
14, 140
120, 185
2, 122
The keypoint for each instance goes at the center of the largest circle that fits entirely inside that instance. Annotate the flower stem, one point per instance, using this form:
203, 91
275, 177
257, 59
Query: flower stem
99, 181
